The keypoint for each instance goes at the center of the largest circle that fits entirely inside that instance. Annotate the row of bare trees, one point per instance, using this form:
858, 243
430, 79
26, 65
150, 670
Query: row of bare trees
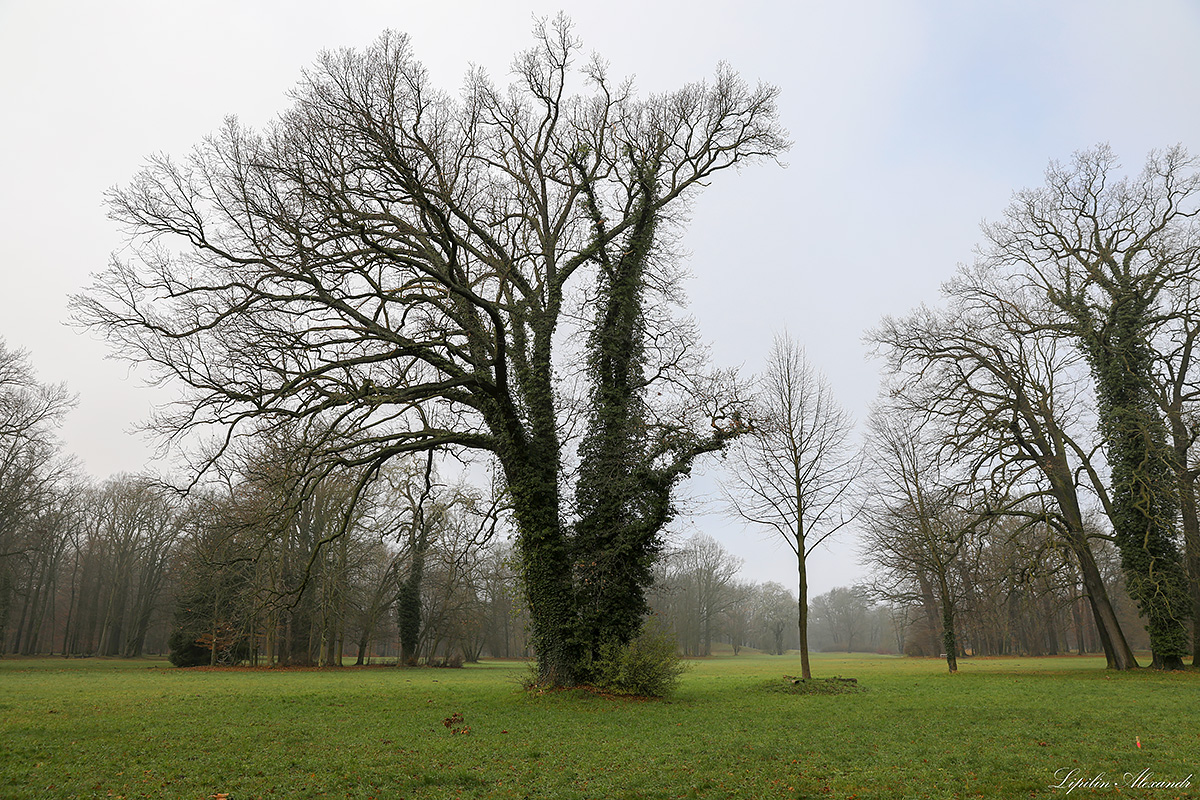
353, 289
1046, 411
1035, 436
272, 564
86, 568
1015, 591
132, 570
290, 568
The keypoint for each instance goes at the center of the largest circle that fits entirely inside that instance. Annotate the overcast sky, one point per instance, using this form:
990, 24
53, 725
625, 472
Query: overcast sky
912, 123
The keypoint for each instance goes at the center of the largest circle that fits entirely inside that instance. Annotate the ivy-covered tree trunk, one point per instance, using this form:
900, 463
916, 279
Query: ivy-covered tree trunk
621, 506
628, 465
408, 598
545, 566
1143, 492
408, 607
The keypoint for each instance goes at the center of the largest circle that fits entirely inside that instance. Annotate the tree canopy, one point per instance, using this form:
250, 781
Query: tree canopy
397, 265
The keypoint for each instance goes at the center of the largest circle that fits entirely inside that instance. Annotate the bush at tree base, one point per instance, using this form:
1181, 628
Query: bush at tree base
648, 666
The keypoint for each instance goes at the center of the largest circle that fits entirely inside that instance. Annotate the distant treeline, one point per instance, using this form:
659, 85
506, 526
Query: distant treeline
128, 568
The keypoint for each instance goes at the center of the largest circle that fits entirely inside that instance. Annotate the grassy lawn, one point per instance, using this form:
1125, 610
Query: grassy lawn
999, 729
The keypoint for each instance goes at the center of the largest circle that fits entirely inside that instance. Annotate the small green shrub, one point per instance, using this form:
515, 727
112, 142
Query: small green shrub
649, 666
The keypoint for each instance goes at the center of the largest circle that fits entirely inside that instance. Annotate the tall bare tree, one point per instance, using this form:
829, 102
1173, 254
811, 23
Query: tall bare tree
917, 528
794, 472
403, 260
1108, 252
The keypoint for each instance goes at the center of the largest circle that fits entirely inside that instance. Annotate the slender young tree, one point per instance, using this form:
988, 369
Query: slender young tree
794, 473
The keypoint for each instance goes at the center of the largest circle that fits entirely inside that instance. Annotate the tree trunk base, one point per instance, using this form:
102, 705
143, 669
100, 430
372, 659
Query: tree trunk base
1167, 662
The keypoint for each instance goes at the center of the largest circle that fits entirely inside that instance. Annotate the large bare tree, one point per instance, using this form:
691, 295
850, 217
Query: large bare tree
793, 474
399, 262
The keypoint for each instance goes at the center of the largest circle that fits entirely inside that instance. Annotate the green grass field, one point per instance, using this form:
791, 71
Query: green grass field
999, 729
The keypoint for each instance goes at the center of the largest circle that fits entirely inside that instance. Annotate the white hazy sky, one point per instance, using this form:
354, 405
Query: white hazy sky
912, 122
